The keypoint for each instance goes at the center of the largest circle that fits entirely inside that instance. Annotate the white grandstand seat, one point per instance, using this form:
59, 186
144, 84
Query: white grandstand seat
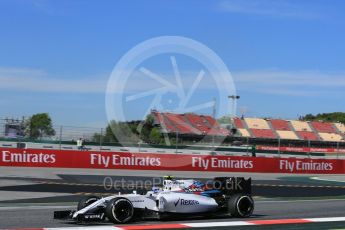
290, 135
340, 127
300, 125
256, 123
244, 132
331, 137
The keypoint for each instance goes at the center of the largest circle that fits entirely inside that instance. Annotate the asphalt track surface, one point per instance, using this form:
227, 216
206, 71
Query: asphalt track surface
275, 199
38, 216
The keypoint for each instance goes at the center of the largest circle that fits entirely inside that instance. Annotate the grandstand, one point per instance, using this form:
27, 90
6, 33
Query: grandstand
188, 124
255, 128
290, 129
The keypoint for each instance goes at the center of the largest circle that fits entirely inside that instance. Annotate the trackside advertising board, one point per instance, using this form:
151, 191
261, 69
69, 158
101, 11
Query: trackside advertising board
301, 149
153, 161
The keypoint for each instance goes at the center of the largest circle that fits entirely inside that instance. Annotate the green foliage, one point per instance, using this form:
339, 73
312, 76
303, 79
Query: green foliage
109, 135
122, 131
155, 136
39, 125
224, 120
130, 132
329, 117
146, 128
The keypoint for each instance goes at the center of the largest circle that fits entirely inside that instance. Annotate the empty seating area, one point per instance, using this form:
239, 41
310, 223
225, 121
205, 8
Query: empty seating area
256, 123
323, 127
289, 129
340, 127
182, 127
198, 122
280, 124
165, 125
331, 137
305, 135
191, 124
243, 132
238, 123
289, 135
301, 126
194, 124
263, 133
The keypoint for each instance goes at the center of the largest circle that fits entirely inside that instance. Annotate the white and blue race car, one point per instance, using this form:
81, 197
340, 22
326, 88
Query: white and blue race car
225, 195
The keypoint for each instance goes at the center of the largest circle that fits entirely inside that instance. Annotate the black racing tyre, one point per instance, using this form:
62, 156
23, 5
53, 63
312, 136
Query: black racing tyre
119, 210
86, 201
240, 205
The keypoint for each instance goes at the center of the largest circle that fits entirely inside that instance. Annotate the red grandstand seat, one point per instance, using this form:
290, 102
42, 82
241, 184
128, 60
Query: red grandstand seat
211, 120
197, 122
238, 123
323, 127
280, 124
216, 129
190, 124
305, 135
182, 126
263, 133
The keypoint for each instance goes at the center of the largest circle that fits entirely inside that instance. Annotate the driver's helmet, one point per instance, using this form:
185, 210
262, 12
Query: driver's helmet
156, 189
196, 185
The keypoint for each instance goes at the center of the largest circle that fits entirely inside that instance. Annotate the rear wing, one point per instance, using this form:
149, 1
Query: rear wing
233, 185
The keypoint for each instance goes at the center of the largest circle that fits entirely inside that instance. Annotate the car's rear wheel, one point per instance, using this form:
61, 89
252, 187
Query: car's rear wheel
86, 201
119, 210
240, 205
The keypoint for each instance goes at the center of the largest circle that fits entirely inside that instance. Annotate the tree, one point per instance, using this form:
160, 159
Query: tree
328, 117
39, 125
146, 127
129, 131
224, 120
155, 136
109, 135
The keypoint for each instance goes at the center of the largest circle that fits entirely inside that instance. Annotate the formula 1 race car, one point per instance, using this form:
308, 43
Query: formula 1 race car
185, 198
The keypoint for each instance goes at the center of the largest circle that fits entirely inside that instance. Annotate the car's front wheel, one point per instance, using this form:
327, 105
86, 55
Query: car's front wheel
240, 205
119, 210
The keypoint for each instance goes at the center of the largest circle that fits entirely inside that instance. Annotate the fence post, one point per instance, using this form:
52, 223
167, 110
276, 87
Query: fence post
279, 147
60, 137
100, 140
176, 140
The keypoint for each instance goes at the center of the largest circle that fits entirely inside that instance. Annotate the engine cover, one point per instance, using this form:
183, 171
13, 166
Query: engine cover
186, 203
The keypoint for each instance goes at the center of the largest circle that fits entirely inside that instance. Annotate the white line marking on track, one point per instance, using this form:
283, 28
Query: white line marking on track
327, 219
35, 207
88, 227
294, 201
217, 224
